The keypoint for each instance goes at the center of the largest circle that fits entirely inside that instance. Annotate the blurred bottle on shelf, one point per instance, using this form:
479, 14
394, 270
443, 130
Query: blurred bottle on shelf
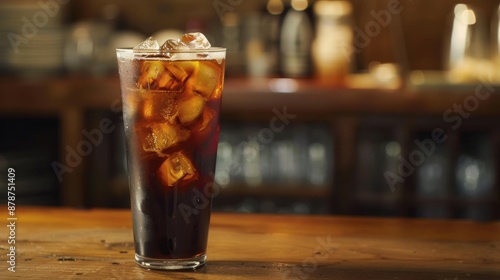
377, 155
232, 39
90, 46
229, 169
475, 176
281, 40
296, 36
286, 151
269, 164
257, 59
366, 159
272, 26
251, 160
225, 153
262, 30
86, 47
319, 156
432, 184
300, 156
467, 55
332, 46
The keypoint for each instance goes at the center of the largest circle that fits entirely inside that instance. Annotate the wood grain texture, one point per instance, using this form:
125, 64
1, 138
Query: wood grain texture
62, 243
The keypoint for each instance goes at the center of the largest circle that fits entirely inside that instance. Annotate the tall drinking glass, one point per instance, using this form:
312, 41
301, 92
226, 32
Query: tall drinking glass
171, 104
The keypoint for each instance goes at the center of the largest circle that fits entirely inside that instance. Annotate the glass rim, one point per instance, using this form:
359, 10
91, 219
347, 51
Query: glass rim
156, 52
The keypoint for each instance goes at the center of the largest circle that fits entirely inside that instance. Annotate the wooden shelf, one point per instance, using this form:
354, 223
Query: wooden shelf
241, 96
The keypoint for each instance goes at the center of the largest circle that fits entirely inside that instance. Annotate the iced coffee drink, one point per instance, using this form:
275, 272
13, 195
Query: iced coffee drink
171, 98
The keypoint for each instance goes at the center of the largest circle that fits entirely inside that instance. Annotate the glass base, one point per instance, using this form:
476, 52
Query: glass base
171, 264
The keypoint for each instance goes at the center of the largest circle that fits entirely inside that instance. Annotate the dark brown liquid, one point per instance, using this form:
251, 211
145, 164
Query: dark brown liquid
171, 146
170, 230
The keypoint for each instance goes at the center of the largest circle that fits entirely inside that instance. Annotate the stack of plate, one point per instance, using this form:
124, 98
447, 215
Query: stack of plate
33, 37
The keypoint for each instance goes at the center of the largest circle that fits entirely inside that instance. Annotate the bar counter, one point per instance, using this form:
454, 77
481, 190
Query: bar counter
65, 243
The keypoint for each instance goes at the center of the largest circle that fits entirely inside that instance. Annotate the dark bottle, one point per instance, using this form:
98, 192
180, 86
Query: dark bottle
296, 36
273, 15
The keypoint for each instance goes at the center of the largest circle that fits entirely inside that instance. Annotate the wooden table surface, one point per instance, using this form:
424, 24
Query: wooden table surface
62, 243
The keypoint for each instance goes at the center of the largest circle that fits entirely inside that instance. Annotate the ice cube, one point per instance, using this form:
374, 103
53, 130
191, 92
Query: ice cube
162, 136
190, 109
181, 70
150, 71
174, 44
158, 105
149, 109
178, 170
169, 83
205, 79
148, 44
204, 126
196, 41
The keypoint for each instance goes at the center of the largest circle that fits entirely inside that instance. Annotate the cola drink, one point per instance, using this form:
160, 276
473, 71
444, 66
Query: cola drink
171, 102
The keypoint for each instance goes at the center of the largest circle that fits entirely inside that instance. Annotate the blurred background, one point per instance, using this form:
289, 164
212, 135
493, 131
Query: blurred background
361, 107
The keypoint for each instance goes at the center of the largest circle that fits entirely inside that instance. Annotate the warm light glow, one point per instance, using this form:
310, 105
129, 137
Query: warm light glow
469, 17
283, 85
299, 5
459, 8
332, 8
465, 14
392, 149
275, 7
